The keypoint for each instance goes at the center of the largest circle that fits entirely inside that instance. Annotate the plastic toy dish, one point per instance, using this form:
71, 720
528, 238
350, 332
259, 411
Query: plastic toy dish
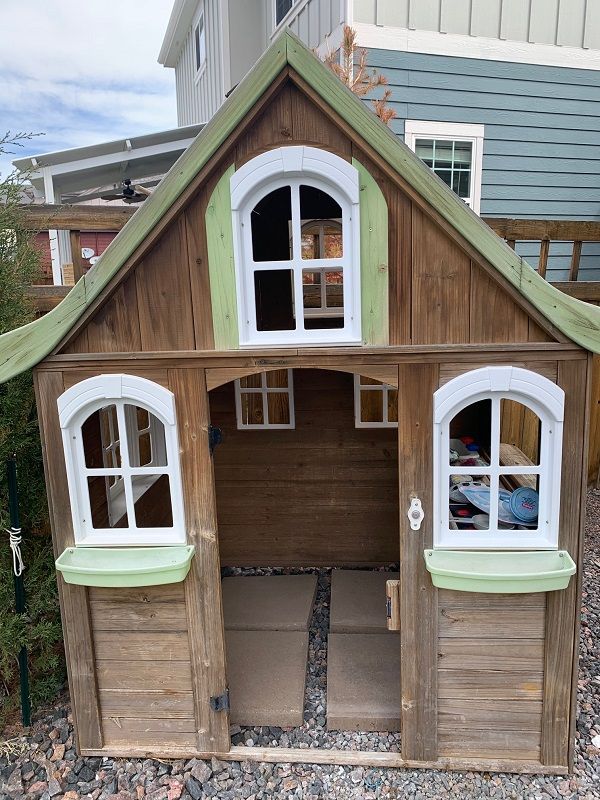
524, 504
482, 523
479, 495
456, 495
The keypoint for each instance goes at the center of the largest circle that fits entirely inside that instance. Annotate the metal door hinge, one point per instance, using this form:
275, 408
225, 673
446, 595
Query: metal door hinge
220, 702
215, 437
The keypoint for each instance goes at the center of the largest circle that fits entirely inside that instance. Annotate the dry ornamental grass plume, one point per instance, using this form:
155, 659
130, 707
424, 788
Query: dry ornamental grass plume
354, 72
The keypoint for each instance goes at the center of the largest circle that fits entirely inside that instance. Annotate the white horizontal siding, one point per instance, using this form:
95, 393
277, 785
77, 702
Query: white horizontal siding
571, 23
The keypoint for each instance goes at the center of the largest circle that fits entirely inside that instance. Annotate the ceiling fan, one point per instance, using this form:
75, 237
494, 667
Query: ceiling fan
128, 193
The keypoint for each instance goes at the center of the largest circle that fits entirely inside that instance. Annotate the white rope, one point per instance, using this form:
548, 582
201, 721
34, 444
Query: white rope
15, 540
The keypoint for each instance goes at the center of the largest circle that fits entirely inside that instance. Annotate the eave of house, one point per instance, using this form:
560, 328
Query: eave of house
24, 347
177, 29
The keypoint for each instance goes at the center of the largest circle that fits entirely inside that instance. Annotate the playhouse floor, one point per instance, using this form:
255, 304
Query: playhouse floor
349, 693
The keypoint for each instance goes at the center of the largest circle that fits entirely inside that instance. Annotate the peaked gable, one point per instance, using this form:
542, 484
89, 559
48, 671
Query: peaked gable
24, 347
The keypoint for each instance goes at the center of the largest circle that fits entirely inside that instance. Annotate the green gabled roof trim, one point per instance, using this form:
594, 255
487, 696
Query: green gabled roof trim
24, 347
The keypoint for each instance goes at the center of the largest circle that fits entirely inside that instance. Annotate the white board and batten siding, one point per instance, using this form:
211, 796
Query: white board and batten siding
237, 33
566, 23
200, 94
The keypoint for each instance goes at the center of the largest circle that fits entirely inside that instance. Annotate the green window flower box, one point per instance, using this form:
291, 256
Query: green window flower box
500, 572
125, 567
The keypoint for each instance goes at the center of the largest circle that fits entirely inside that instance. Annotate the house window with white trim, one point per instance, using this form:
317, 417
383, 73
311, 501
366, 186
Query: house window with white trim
497, 456
200, 41
296, 248
281, 8
375, 403
265, 400
453, 151
122, 457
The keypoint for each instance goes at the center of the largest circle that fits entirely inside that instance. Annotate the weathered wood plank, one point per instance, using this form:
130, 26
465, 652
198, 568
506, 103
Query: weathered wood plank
197, 258
203, 584
147, 675
65, 217
475, 600
562, 230
170, 592
494, 315
116, 325
140, 703
418, 597
272, 128
526, 623
154, 617
441, 282
448, 371
73, 599
473, 684
164, 294
478, 714
562, 606
392, 591
144, 645
74, 376
498, 654
497, 744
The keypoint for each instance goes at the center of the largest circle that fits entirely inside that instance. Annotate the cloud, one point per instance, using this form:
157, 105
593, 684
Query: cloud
83, 72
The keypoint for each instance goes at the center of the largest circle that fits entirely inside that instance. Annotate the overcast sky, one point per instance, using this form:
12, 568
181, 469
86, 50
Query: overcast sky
82, 71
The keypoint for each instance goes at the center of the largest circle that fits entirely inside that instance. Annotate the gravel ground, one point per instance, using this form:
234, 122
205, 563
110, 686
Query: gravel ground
45, 765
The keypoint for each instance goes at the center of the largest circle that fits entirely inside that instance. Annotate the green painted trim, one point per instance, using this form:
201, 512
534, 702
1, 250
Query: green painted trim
125, 566
27, 346
507, 572
374, 272
221, 266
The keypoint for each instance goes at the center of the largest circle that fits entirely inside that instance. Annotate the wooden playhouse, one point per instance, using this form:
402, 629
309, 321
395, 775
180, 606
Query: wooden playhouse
304, 351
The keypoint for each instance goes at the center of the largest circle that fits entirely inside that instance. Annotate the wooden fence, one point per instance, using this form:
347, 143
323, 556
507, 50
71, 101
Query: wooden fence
112, 218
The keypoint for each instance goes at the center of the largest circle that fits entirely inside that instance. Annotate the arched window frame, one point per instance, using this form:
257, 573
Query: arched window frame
294, 166
545, 399
74, 407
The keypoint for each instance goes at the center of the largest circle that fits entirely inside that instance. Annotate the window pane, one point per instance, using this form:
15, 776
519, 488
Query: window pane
145, 438
424, 149
469, 503
371, 406
278, 408
274, 300
281, 9
323, 298
101, 440
443, 154
254, 381
445, 175
152, 501
519, 501
252, 408
277, 378
520, 430
463, 152
107, 502
334, 289
470, 433
271, 226
392, 405
322, 239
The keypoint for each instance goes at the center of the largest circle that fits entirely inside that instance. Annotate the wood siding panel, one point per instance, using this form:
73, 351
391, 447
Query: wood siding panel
441, 282
197, 255
164, 294
494, 315
272, 128
418, 596
311, 126
115, 328
562, 620
280, 491
203, 584
74, 605
491, 674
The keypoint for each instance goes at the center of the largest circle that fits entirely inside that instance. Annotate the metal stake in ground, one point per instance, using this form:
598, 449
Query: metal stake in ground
15, 543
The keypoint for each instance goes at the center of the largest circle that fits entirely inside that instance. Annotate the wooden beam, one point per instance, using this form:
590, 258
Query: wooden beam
45, 298
575, 258
418, 596
76, 257
203, 584
582, 290
44, 216
536, 229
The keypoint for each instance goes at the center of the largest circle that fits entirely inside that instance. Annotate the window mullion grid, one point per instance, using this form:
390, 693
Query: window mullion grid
126, 468
494, 464
297, 264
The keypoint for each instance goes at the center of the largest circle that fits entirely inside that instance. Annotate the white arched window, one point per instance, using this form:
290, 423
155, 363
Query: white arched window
122, 459
497, 460
297, 248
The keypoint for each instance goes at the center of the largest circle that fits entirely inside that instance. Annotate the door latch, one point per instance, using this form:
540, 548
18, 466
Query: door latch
415, 513
215, 437
220, 702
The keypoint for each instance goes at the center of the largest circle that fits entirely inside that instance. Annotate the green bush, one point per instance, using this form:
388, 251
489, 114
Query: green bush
39, 628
